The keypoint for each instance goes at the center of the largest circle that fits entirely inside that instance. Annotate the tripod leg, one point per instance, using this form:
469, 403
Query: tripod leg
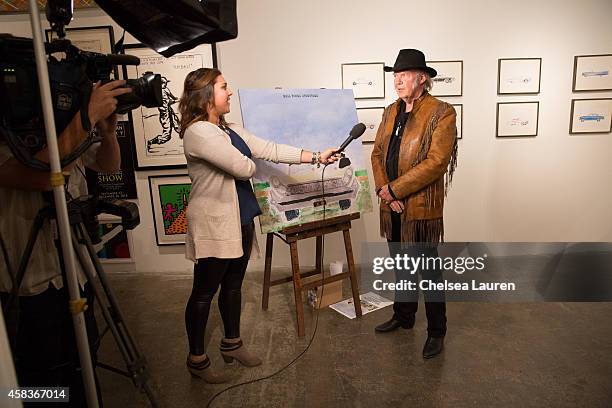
135, 361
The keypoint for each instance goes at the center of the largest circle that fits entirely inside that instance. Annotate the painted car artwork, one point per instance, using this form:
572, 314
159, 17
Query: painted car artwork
314, 119
593, 116
289, 199
595, 73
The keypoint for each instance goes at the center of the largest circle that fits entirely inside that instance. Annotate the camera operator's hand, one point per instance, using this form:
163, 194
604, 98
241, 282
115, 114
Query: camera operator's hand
103, 100
108, 127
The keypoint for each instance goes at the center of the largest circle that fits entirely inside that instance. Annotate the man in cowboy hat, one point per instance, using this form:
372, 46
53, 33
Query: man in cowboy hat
413, 161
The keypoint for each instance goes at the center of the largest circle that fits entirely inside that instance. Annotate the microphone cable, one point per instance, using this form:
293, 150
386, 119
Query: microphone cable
314, 332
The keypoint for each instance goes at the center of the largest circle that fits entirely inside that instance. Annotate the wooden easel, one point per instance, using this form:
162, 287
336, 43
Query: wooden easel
312, 229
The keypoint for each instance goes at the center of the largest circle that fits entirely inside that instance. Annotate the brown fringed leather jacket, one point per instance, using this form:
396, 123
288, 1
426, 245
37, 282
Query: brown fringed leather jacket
428, 152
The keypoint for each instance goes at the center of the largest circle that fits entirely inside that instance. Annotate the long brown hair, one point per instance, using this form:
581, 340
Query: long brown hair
198, 96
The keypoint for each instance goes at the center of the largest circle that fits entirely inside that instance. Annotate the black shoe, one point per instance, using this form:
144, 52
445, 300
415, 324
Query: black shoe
433, 347
392, 325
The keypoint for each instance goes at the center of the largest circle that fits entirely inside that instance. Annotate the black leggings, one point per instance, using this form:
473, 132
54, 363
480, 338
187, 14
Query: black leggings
208, 274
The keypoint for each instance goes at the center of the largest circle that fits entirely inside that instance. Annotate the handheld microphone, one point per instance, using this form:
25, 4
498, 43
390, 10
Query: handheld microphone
355, 133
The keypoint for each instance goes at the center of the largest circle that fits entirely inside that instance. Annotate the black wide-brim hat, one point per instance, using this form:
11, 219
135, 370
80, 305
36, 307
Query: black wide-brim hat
408, 59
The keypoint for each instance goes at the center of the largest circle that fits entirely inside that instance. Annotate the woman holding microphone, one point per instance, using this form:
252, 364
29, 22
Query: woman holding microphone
222, 206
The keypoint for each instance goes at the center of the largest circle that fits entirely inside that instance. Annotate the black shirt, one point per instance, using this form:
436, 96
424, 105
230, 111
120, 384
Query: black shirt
395, 141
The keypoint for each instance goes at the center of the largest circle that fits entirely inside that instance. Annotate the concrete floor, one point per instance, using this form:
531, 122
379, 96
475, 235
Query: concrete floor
506, 355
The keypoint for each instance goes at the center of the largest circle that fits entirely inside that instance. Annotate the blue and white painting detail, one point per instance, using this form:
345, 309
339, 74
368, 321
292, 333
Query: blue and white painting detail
313, 119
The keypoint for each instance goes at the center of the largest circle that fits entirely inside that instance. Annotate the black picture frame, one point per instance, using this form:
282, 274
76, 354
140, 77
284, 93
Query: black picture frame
156, 201
460, 128
139, 161
500, 62
439, 78
497, 135
571, 126
375, 66
574, 75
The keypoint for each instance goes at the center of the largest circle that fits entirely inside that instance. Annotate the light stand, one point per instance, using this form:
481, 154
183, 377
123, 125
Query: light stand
77, 304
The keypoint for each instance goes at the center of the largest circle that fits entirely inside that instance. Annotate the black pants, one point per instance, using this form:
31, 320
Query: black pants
404, 309
208, 275
46, 354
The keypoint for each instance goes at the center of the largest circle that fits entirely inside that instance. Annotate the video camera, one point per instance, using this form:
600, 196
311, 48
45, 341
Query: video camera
71, 80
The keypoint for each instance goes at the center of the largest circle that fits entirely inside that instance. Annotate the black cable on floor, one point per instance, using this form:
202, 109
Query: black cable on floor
314, 332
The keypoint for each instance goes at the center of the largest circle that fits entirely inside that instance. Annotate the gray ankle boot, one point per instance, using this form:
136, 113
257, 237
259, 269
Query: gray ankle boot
204, 371
235, 350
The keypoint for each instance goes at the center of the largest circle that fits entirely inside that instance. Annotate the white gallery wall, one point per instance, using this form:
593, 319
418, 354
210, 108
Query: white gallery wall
554, 187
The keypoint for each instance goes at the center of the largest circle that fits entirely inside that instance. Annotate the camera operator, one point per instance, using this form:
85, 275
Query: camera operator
44, 345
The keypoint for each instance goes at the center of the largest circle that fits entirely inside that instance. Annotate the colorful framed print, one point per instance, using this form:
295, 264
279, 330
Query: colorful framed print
449, 81
459, 109
156, 130
519, 76
591, 116
169, 201
517, 119
592, 73
366, 79
371, 118
118, 248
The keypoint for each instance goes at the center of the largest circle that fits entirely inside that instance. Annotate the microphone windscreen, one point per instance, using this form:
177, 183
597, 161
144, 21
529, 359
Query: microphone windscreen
357, 130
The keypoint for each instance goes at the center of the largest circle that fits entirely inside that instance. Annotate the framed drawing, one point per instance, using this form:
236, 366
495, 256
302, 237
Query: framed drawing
156, 130
366, 79
98, 39
169, 200
518, 76
371, 118
517, 119
459, 109
592, 73
449, 81
591, 116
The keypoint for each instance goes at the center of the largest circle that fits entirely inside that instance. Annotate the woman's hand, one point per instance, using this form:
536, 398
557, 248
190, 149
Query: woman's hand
329, 156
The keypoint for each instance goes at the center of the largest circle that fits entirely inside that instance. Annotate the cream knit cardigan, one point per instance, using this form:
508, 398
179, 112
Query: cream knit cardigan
213, 163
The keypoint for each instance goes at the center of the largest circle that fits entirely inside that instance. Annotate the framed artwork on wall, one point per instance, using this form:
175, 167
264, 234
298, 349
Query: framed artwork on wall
518, 76
366, 79
449, 81
517, 119
156, 130
169, 201
371, 118
118, 249
591, 116
459, 109
592, 73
